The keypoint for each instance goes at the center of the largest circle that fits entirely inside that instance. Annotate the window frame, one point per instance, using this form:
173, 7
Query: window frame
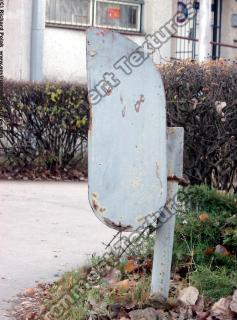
128, 3
92, 17
70, 24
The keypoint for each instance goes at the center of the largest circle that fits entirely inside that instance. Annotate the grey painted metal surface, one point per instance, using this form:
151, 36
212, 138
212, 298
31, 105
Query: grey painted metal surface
37, 40
165, 234
127, 137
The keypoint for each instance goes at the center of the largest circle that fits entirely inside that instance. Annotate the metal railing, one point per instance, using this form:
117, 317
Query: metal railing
213, 43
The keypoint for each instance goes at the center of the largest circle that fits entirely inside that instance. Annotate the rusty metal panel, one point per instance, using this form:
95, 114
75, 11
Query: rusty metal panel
127, 136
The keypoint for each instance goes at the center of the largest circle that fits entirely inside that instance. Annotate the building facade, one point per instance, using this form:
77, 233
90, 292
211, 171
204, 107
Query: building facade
47, 37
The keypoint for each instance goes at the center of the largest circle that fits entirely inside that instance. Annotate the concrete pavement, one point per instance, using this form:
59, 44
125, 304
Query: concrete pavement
46, 228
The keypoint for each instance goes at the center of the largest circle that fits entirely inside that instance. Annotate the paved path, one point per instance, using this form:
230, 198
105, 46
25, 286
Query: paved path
46, 228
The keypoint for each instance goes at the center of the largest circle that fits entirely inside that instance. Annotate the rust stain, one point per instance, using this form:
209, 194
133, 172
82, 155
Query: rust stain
181, 181
102, 32
95, 204
158, 177
173, 178
139, 103
109, 92
172, 130
118, 226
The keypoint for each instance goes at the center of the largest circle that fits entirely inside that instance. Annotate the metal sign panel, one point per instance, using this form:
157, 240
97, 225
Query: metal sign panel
127, 136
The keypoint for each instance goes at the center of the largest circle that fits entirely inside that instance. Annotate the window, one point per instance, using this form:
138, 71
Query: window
121, 15
69, 12
117, 15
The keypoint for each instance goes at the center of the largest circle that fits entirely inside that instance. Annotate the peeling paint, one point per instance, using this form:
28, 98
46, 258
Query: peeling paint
124, 107
158, 177
124, 112
141, 220
181, 181
92, 53
96, 205
109, 92
139, 102
118, 226
102, 32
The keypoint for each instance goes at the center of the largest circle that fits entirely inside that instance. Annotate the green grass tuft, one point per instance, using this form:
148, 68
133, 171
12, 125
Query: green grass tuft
214, 284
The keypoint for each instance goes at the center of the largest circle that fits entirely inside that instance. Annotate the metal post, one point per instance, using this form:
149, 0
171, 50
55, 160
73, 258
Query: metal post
165, 234
37, 40
205, 30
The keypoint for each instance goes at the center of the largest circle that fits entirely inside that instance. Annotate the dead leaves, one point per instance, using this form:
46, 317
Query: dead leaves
130, 266
209, 251
187, 305
124, 285
29, 292
140, 267
113, 277
31, 316
204, 217
145, 314
29, 305
124, 293
41, 174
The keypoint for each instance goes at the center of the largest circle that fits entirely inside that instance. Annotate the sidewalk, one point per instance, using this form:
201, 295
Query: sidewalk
46, 228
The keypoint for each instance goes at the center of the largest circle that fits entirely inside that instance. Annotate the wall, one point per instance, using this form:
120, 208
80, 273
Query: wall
17, 25
65, 49
229, 34
156, 14
65, 54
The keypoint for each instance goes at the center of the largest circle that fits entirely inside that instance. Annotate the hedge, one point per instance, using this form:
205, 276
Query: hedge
46, 124
203, 100
43, 125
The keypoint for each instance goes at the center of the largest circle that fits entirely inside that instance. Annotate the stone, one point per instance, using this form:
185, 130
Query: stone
222, 250
221, 309
188, 296
146, 314
199, 306
202, 315
233, 304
